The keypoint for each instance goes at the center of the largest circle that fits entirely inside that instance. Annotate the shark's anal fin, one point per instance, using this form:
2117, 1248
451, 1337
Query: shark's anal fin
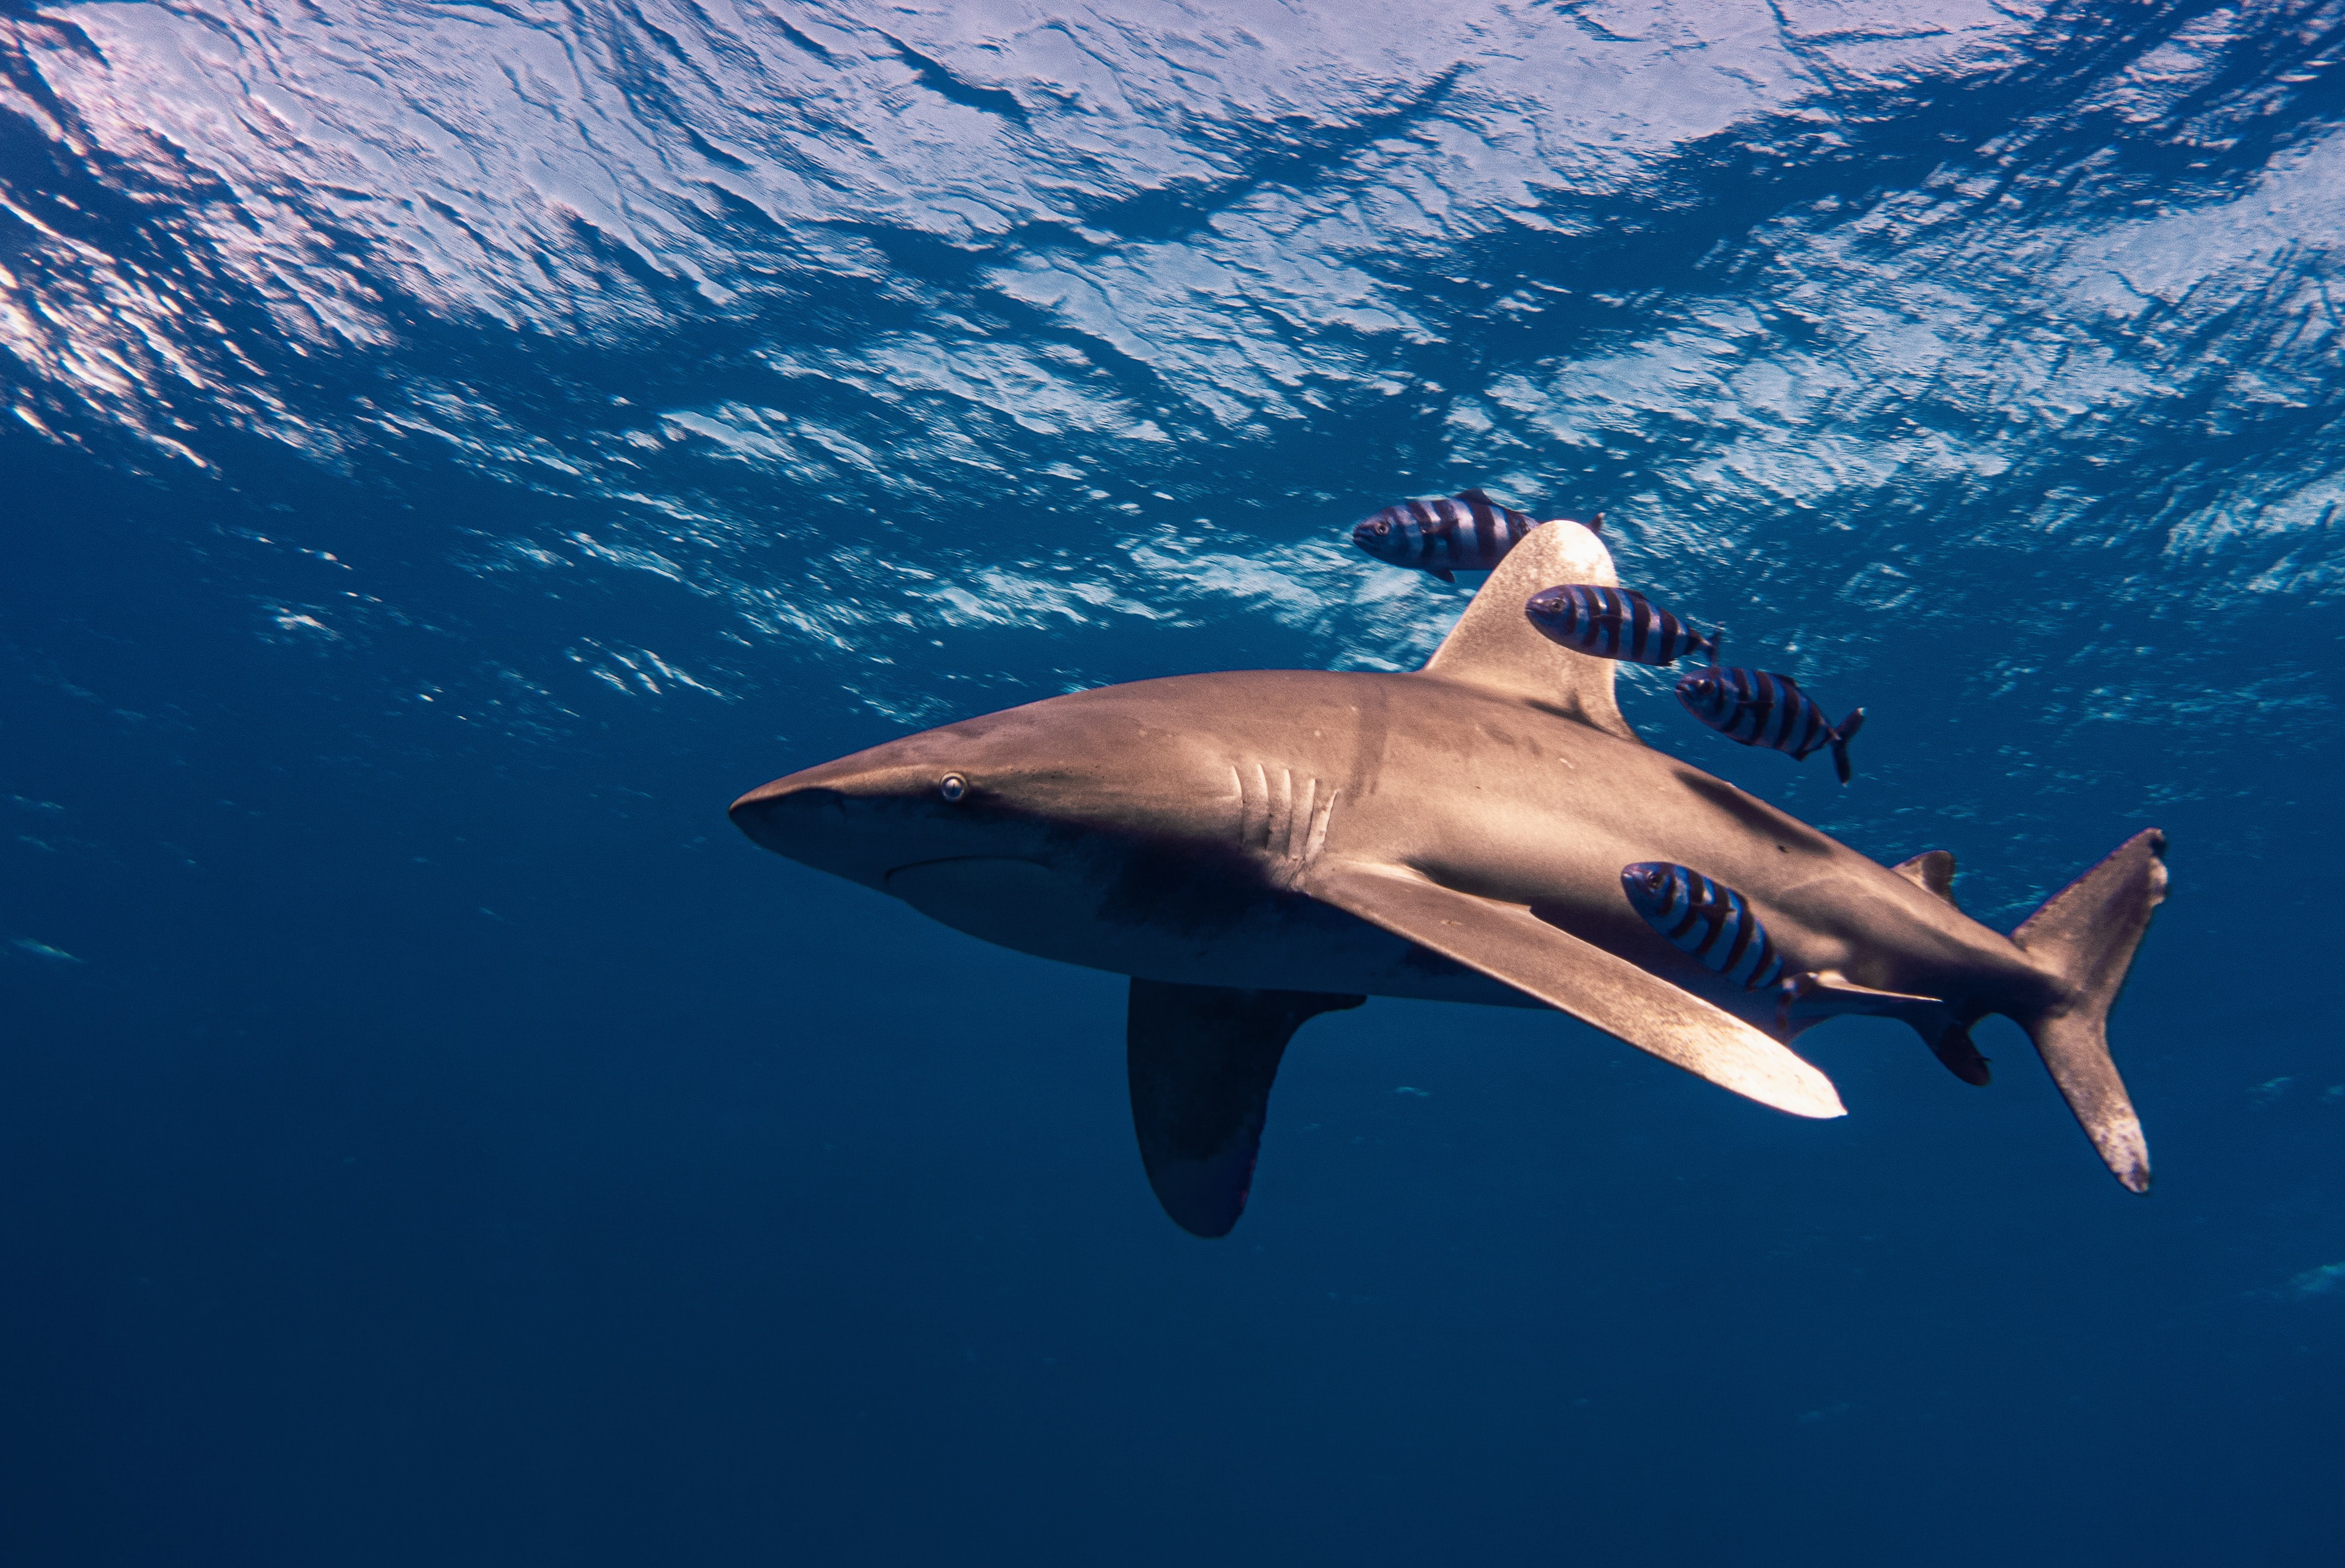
1956, 1052
1932, 871
1495, 646
1201, 1060
1509, 944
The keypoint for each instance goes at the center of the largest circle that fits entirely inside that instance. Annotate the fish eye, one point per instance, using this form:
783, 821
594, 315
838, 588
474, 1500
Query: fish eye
1384, 528
952, 786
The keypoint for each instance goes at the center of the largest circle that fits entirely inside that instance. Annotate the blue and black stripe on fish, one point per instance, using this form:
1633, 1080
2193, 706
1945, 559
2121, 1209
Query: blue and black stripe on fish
1468, 531
1760, 709
1614, 623
1709, 922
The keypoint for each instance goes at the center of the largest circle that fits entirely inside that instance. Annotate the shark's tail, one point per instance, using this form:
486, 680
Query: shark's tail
1840, 739
2086, 935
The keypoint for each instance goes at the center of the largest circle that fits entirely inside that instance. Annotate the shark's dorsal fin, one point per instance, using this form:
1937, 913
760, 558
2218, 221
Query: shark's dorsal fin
1495, 646
1932, 870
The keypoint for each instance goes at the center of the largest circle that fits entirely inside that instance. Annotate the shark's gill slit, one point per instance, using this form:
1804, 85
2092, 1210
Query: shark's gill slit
1254, 826
1319, 820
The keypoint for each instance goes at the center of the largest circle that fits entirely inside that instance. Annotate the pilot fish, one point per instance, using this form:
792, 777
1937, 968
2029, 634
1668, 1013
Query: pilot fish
1704, 920
1614, 623
1468, 531
1760, 709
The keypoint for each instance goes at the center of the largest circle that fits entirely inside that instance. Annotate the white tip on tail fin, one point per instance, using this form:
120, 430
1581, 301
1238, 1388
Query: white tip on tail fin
1495, 646
2086, 935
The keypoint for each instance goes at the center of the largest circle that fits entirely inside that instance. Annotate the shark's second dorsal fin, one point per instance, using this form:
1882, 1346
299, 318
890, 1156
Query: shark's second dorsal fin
1933, 869
1494, 645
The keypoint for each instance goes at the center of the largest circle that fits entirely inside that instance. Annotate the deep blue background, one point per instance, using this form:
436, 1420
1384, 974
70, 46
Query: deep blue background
429, 1133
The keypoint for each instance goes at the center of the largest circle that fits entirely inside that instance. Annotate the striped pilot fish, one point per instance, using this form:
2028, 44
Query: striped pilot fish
1759, 709
1468, 531
1710, 923
1614, 623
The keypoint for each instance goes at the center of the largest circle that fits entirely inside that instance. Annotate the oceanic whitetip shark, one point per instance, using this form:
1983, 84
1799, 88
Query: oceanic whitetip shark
1254, 848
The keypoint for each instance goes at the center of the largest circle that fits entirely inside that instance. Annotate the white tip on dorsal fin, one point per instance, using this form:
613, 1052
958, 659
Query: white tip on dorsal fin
1932, 870
1495, 646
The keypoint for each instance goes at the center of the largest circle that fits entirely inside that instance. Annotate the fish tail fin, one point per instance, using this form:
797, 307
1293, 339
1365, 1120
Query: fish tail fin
2085, 935
1840, 739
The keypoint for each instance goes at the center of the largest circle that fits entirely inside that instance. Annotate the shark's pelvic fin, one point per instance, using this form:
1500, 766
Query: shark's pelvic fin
1495, 646
1932, 870
1201, 1060
1509, 944
1828, 993
2086, 934
1822, 994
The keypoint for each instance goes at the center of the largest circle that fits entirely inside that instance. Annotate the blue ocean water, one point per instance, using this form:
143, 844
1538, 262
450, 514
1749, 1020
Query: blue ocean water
455, 448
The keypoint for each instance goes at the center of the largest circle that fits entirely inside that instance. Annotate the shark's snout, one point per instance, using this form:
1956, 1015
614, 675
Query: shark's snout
859, 823
781, 816
864, 816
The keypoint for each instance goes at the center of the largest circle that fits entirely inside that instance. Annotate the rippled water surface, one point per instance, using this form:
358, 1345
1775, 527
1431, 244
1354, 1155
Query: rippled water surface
454, 449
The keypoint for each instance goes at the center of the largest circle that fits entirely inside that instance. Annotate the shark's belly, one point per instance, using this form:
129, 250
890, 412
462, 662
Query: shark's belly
1196, 933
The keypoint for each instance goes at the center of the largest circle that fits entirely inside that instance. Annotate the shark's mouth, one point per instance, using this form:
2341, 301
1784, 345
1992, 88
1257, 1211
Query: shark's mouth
956, 866
971, 890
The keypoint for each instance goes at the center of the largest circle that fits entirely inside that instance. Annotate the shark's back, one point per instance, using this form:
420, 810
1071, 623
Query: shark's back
1495, 646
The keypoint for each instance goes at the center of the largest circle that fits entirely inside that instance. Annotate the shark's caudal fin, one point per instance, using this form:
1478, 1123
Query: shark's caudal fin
1495, 646
2086, 934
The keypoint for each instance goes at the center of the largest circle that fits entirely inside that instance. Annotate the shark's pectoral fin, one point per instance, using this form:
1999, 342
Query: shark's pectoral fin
1201, 1060
1509, 944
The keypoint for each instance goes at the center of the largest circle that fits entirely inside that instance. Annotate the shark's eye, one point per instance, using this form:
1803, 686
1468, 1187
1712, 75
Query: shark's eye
952, 786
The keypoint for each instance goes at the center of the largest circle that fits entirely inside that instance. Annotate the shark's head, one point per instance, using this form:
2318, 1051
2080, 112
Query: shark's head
1038, 783
1063, 829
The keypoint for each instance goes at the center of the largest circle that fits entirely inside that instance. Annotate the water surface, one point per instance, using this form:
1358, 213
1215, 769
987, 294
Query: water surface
455, 448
